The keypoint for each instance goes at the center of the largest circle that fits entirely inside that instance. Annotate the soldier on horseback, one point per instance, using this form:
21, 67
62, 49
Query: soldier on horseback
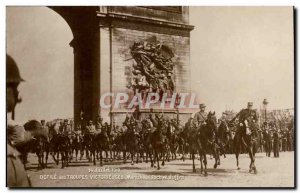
90, 127
245, 117
99, 123
246, 134
201, 116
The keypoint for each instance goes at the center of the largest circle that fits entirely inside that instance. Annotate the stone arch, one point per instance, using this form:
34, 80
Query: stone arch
84, 25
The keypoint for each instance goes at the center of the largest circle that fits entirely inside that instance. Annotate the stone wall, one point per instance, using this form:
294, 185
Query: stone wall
118, 34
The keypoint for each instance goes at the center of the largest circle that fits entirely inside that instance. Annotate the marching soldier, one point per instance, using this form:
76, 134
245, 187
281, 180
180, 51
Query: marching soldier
201, 116
284, 140
61, 127
267, 139
16, 175
276, 142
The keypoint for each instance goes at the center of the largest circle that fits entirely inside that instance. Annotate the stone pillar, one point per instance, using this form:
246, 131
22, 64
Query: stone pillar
86, 44
105, 69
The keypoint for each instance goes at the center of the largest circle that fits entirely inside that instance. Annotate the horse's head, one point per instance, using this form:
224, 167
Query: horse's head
212, 121
211, 118
32, 125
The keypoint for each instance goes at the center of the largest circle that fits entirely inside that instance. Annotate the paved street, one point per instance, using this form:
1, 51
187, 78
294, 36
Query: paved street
278, 172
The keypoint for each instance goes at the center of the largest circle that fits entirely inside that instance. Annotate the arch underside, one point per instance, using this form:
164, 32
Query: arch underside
83, 22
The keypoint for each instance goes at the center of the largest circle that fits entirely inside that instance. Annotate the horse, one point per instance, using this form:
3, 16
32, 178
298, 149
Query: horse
145, 140
224, 138
208, 141
38, 144
102, 143
158, 140
131, 140
64, 148
183, 144
194, 144
76, 143
90, 145
247, 137
173, 139
53, 140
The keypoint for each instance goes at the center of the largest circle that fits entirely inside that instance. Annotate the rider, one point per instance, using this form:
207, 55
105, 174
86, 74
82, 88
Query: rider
99, 123
43, 122
90, 127
201, 116
16, 175
245, 116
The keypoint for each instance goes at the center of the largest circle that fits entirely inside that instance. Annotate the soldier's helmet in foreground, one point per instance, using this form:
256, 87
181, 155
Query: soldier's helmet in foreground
12, 71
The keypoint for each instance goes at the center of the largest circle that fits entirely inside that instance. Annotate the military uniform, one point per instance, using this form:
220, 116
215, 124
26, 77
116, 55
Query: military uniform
200, 118
16, 175
246, 115
91, 128
276, 143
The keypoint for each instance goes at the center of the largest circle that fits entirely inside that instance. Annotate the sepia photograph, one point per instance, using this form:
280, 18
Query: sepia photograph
150, 97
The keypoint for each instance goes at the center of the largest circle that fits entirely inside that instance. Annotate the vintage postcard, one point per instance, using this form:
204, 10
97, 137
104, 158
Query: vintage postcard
150, 96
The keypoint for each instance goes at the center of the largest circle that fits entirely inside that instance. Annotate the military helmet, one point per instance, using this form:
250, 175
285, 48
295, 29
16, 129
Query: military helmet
202, 105
12, 71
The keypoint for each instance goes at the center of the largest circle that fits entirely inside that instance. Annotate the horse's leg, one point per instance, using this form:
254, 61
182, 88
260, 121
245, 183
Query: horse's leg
53, 156
193, 157
157, 159
62, 159
87, 154
205, 163
225, 149
58, 152
150, 156
132, 157
100, 152
163, 157
46, 158
252, 156
237, 150
94, 156
76, 153
182, 149
124, 156
39, 160
81, 151
68, 157
216, 157
201, 162
146, 159
106, 156
43, 158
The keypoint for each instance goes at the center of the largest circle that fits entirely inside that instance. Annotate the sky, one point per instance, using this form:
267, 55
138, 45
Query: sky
241, 54
38, 39
238, 54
